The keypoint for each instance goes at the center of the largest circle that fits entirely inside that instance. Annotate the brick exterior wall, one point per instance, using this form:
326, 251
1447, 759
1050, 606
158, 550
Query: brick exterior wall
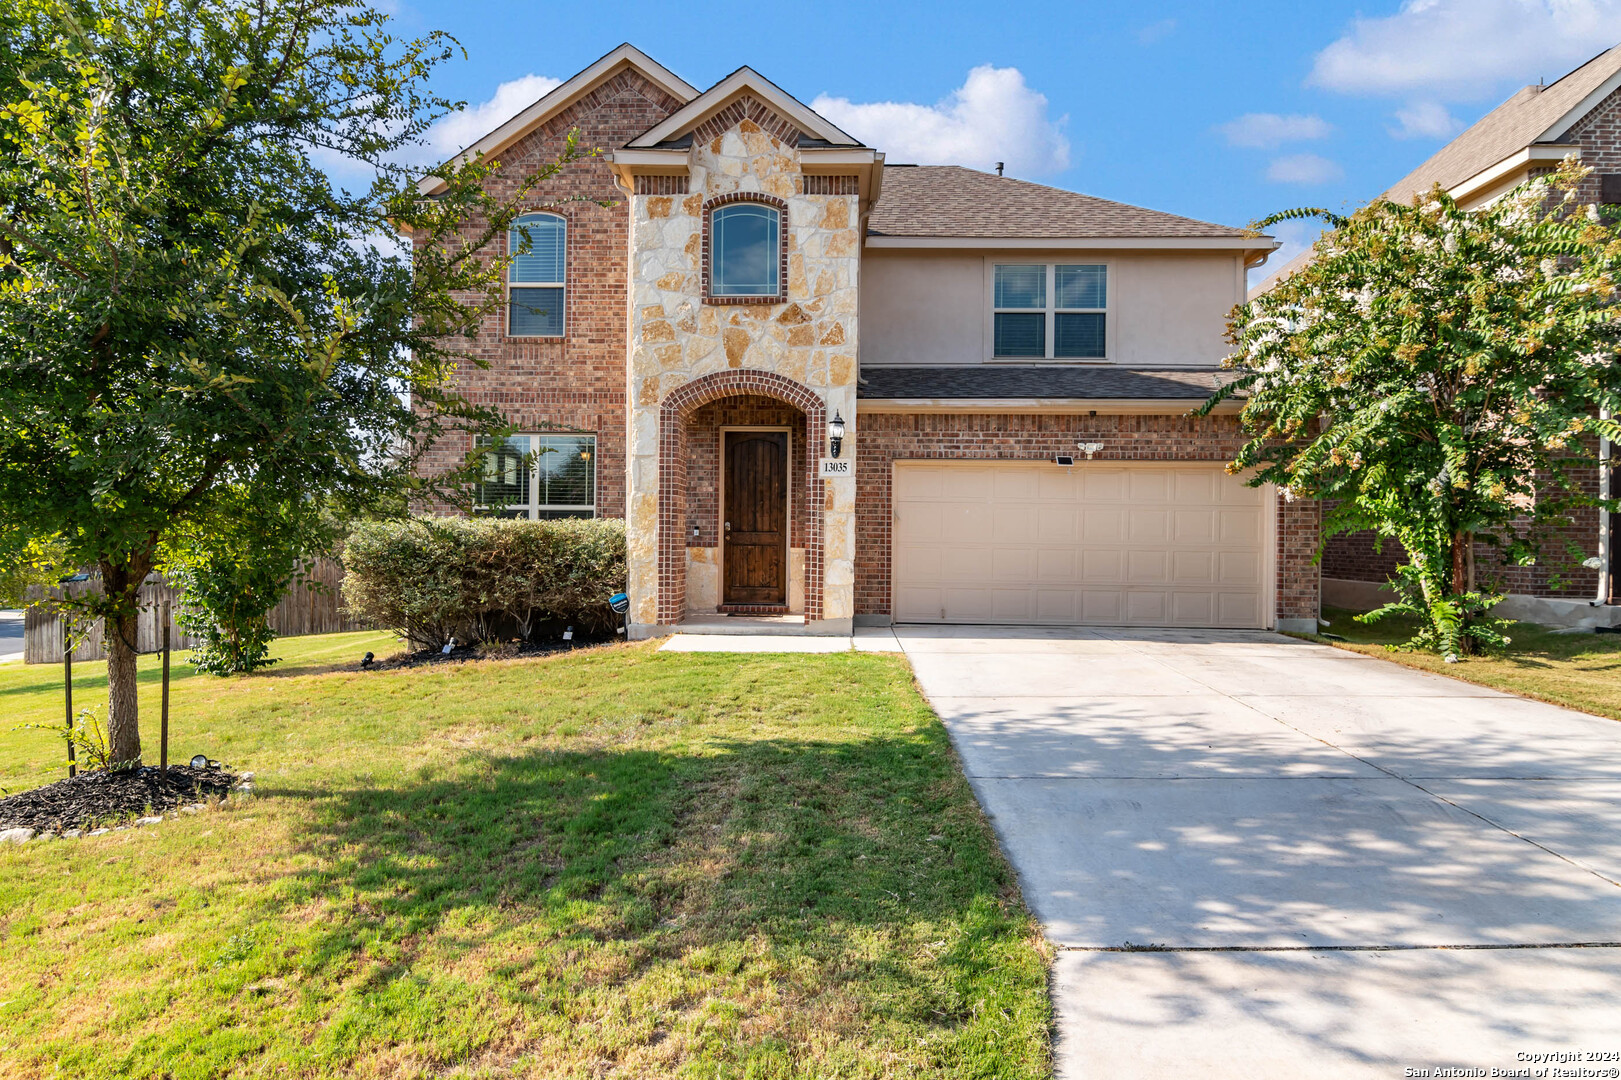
884, 438
576, 382
1556, 575
704, 463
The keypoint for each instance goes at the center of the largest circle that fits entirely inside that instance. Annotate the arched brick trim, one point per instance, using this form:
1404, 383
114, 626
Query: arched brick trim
673, 413
782, 246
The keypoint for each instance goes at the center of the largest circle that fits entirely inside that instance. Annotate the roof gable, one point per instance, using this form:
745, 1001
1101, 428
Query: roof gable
951, 201
1536, 114
625, 57
745, 93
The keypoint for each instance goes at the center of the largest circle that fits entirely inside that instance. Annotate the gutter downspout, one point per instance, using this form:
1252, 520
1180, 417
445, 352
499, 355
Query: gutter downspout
1605, 557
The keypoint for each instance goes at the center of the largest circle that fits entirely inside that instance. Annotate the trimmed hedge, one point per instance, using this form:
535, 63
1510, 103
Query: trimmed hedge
478, 579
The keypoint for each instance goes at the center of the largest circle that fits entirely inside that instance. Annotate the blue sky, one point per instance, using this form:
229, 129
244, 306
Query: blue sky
1223, 111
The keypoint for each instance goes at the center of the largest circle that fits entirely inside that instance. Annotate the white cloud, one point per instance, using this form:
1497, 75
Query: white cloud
1303, 169
1269, 129
459, 130
1457, 50
1296, 237
1425, 120
992, 117
1154, 33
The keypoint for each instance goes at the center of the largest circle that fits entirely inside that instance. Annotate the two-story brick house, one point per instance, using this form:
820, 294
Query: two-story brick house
828, 389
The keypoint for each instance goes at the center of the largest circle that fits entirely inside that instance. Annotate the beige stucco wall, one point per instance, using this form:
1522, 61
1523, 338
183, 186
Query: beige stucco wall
934, 307
675, 337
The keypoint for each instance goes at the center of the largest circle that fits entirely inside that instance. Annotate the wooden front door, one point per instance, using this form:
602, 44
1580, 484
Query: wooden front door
755, 518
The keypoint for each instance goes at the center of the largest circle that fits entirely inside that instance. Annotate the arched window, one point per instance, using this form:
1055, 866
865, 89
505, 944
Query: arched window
745, 250
535, 291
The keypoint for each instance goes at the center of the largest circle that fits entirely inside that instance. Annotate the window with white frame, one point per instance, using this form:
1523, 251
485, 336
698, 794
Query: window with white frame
1050, 311
535, 291
539, 477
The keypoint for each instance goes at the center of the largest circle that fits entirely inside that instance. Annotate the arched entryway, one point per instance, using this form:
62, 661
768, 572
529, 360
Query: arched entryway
674, 473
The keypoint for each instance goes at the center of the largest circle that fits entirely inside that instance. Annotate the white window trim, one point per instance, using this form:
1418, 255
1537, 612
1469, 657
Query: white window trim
1110, 312
506, 313
534, 507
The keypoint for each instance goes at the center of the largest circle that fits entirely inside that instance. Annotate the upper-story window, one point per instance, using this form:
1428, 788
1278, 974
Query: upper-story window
535, 291
745, 251
1050, 311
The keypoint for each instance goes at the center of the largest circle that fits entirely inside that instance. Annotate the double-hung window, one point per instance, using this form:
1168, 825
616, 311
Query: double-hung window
1050, 311
535, 291
539, 476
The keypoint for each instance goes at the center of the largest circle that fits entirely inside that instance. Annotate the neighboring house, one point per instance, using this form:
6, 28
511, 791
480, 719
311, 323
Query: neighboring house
1526, 136
822, 386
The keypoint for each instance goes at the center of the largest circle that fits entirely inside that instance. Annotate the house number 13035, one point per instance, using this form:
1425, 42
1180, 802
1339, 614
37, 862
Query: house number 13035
834, 467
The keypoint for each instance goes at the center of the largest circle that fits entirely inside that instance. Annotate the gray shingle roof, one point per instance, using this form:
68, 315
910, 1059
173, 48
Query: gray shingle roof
949, 200
1043, 381
1507, 129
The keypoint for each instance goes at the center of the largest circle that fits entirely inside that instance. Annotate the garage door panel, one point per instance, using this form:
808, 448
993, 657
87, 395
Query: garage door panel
1193, 567
1058, 524
1103, 565
1148, 485
1103, 525
1148, 567
1057, 566
1106, 544
1013, 564
1239, 527
1013, 523
1194, 526
1148, 526
1193, 487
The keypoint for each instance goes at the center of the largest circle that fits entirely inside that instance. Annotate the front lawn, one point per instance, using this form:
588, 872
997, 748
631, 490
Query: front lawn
617, 862
1581, 671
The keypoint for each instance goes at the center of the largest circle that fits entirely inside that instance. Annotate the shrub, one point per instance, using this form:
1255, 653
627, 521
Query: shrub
429, 579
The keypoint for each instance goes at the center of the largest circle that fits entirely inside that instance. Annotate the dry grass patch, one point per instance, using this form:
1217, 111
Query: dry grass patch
614, 863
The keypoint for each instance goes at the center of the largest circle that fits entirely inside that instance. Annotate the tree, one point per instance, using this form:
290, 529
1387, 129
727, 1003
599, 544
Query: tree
1440, 374
194, 323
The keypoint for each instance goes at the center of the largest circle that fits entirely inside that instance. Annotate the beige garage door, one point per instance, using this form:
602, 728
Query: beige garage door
1106, 544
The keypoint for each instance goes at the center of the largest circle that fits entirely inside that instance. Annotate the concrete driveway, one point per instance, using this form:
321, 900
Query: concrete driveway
1259, 857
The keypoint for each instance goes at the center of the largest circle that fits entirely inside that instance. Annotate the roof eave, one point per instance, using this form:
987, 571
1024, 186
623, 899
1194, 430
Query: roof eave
1077, 243
1105, 406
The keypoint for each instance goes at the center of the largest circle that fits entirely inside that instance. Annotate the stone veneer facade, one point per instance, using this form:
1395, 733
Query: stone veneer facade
687, 352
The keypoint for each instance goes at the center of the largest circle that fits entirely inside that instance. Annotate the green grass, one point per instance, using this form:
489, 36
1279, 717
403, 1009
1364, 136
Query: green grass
1581, 671
615, 862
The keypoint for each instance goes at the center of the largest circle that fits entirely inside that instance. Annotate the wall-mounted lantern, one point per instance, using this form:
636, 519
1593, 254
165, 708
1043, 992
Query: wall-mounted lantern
835, 434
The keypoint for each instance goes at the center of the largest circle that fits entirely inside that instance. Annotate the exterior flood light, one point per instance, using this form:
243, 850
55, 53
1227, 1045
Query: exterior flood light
835, 433
1089, 448
200, 761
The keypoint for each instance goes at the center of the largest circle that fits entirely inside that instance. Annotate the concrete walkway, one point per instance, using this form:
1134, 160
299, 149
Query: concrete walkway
1343, 867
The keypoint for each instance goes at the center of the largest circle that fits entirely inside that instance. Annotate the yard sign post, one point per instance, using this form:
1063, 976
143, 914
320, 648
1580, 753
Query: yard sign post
163, 739
67, 683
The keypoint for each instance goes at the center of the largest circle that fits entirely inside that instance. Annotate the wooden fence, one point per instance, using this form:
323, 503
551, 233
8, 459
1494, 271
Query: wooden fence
311, 606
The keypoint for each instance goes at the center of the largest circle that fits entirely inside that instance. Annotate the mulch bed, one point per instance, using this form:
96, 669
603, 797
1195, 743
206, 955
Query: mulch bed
507, 650
93, 799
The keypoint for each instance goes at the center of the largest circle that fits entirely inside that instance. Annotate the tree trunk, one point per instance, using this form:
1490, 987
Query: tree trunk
1460, 562
122, 583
